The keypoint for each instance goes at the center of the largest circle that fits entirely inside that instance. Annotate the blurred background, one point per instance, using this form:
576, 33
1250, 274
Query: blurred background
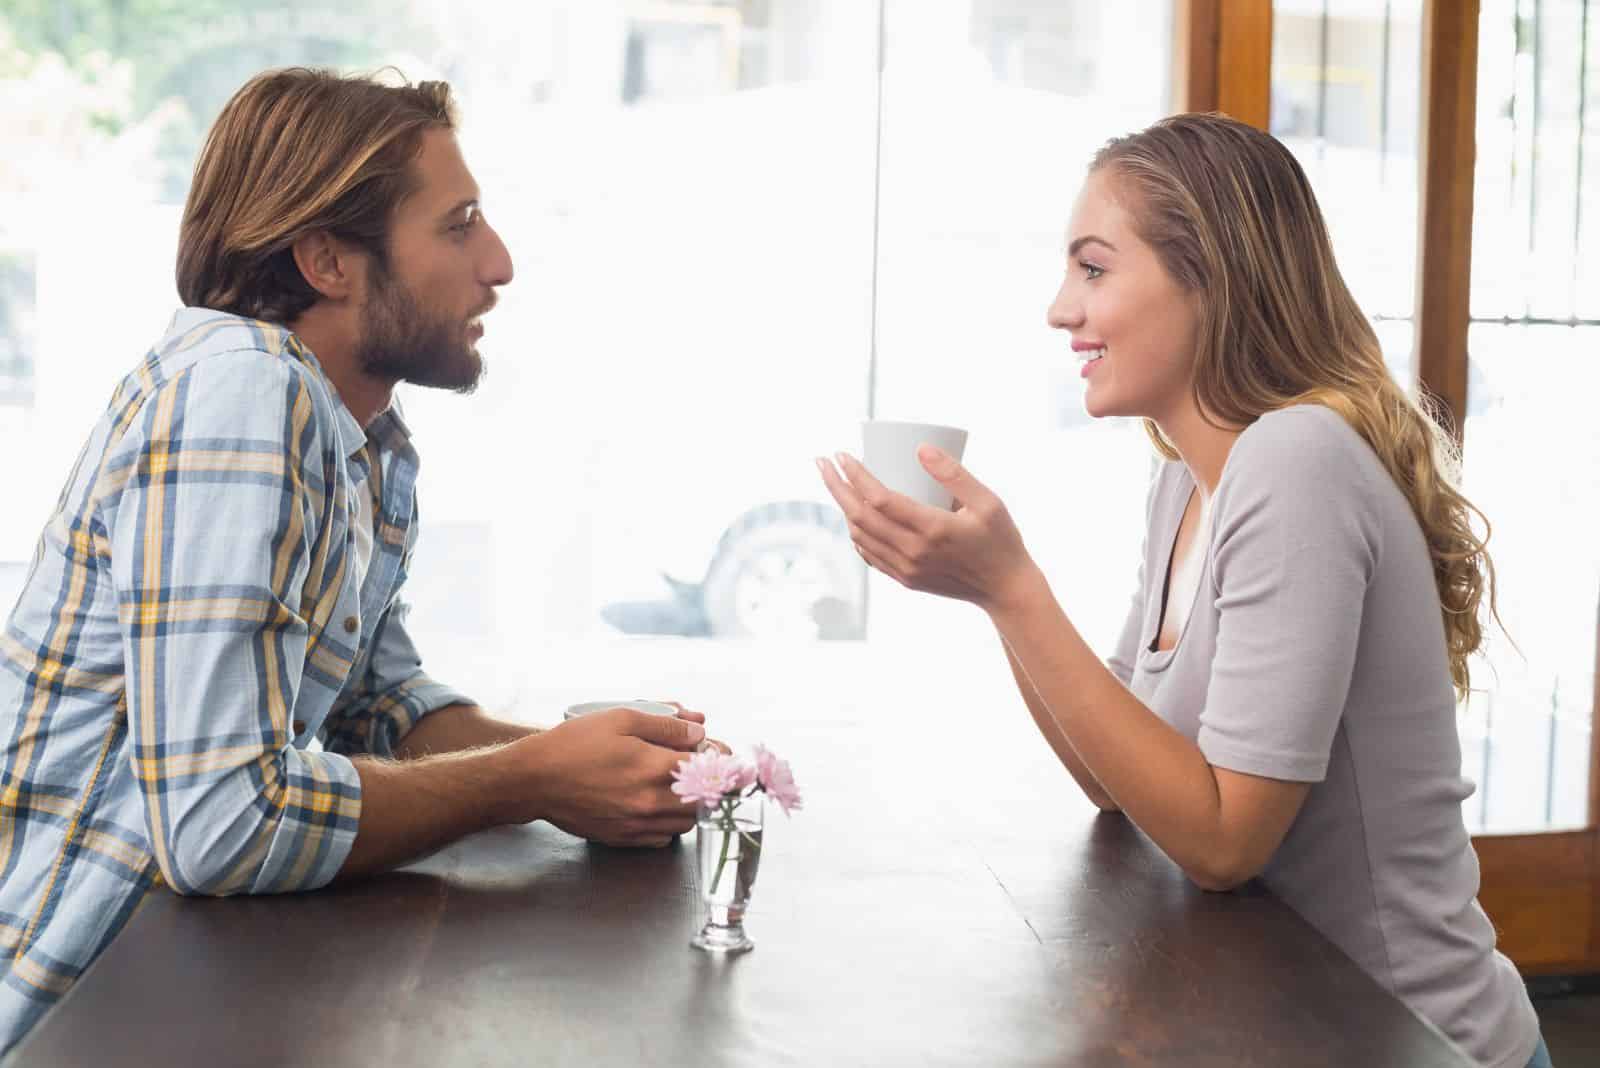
742, 226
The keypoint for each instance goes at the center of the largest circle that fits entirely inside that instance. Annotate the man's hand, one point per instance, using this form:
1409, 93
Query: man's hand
605, 777
699, 717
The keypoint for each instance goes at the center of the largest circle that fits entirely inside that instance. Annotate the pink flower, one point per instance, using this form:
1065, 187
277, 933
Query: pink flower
777, 780
709, 776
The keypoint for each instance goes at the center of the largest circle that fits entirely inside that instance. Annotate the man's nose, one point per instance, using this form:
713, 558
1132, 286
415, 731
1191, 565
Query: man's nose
497, 268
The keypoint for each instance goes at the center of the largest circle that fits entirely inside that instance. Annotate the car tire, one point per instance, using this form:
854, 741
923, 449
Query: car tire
785, 569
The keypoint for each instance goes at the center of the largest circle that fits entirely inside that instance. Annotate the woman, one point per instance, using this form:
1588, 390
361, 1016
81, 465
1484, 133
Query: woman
1282, 701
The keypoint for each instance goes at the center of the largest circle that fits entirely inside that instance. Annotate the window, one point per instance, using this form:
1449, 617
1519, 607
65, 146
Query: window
1531, 447
18, 309
991, 113
1345, 100
735, 236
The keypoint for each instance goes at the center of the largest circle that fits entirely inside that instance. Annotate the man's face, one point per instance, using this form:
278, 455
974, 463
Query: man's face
421, 319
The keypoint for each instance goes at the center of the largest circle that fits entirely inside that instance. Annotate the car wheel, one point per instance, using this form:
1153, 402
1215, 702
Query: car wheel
785, 569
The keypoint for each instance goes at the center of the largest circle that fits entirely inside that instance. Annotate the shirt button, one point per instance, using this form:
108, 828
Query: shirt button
351, 624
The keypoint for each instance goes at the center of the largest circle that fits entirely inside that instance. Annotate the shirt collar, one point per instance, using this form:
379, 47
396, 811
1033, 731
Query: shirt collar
388, 431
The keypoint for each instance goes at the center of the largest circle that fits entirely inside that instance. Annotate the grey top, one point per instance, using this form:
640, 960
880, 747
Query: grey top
1315, 652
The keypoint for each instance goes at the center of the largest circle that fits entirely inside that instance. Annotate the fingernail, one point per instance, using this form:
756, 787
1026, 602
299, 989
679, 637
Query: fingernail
696, 732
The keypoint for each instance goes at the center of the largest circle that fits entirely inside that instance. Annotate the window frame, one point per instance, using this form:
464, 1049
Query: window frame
1542, 890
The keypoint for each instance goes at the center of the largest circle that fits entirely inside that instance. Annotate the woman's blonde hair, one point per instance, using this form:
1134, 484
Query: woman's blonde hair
1232, 217
296, 151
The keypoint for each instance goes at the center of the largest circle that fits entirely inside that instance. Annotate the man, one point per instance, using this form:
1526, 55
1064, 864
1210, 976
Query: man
218, 587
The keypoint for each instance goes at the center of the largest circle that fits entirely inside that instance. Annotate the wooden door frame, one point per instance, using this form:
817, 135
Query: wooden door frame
1222, 58
1448, 164
1541, 890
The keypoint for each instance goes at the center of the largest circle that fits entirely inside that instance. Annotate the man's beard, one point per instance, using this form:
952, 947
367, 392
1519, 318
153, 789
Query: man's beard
402, 340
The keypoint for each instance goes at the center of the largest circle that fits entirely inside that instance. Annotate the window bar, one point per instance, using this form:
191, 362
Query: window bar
1383, 112
1583, 123
1550, 758
1533, 146
1516, 118
1533, 320
877, 226
1501, 320
1322, 85
877, 197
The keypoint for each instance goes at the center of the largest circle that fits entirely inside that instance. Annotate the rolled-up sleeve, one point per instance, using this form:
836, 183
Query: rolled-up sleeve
213, 521
393, 695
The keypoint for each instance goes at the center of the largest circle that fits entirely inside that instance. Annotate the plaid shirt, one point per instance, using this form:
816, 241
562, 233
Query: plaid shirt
190, 626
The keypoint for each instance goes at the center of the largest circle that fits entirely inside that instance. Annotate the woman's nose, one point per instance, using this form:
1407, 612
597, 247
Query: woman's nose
1066, 311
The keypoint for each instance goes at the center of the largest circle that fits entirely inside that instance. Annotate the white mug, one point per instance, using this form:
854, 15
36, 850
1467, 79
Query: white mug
655, 708
889, 451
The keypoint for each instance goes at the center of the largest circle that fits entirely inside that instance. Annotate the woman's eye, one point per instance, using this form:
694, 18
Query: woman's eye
1091, 271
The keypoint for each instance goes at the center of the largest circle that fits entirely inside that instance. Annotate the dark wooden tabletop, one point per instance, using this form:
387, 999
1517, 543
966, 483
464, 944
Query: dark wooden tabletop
957, 906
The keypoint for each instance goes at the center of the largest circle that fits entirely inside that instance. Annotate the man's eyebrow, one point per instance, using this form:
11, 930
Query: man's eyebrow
1072, 249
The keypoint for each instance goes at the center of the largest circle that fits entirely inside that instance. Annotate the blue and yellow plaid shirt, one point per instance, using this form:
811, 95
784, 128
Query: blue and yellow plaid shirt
192, 623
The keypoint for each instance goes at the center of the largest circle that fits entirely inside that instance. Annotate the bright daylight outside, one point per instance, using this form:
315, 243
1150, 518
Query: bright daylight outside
734, 239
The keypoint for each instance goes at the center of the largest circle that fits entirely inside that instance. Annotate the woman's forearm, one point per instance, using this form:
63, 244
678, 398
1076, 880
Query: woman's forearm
1149, 770
1058, 741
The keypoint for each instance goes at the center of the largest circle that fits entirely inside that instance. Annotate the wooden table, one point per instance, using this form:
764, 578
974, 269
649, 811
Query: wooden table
957, 903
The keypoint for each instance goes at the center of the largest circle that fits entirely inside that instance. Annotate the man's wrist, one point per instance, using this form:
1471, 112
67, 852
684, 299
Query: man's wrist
513, 779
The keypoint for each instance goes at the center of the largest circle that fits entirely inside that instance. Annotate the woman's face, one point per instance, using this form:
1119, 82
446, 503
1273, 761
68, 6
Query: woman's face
1132, 325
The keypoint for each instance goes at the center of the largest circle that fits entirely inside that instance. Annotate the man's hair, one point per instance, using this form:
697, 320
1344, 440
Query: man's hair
297, 151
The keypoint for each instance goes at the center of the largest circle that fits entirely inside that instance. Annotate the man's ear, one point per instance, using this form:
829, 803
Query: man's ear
327, 264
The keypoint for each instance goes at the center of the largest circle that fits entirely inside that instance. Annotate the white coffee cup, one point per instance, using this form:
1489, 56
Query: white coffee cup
655, 708
889, 450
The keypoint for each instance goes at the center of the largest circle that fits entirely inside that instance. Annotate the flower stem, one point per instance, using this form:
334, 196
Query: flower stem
727, 840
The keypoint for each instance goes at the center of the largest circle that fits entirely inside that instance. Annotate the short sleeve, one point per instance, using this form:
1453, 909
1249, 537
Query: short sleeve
1295, 543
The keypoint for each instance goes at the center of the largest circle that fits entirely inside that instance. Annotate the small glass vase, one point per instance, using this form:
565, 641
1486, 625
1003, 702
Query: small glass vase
728, 846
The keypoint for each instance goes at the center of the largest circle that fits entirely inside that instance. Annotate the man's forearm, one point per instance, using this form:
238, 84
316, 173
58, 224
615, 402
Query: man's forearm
456, 728
606, 777
446, 783
410, 808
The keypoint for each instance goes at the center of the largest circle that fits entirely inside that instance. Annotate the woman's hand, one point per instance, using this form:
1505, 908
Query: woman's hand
972, 554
